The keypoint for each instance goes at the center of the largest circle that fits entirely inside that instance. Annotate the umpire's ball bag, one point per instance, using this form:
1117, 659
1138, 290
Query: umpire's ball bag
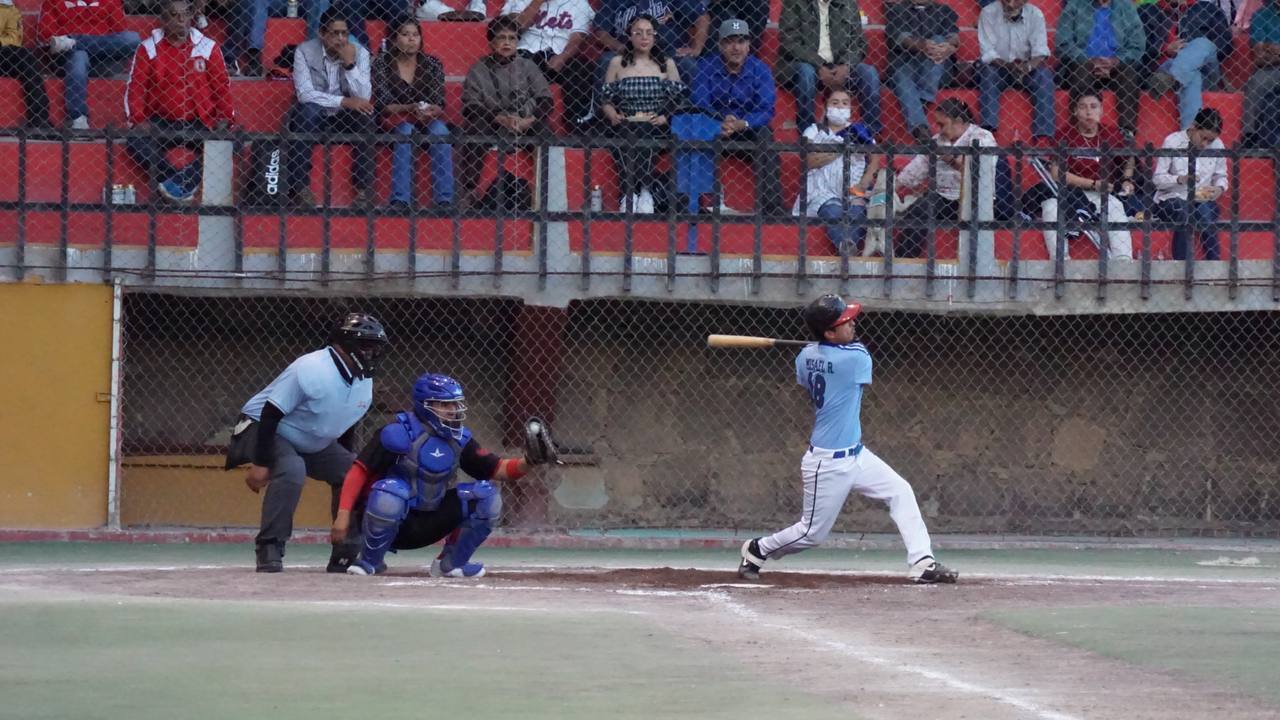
268, 183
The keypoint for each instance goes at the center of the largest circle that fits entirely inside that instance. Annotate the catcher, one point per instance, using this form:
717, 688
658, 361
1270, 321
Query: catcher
401, 481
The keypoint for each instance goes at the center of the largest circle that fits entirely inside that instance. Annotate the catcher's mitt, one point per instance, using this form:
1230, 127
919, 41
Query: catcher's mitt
539, 448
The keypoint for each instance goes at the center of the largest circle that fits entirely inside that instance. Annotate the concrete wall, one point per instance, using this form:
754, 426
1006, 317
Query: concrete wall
54, 405
1120, 424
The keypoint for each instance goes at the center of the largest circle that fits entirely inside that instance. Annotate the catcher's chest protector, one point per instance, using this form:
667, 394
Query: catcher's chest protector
430, 465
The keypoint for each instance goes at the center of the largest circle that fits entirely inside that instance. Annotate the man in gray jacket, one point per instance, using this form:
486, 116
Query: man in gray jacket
331, 77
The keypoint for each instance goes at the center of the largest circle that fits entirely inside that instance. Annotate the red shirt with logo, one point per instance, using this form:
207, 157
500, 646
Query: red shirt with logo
1089, 165
178, 82
79, 17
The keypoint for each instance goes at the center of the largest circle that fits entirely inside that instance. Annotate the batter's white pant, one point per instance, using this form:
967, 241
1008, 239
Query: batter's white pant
827, 482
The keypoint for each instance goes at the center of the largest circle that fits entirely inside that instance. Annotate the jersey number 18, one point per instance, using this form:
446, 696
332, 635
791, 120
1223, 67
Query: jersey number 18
818, 388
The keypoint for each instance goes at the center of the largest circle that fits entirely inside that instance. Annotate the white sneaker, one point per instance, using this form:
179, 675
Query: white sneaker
354, 569
432, 9
477, 6
80, 123
61, 43
644, 202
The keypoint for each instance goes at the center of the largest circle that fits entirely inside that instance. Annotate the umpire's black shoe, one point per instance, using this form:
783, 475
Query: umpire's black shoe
749, 568
927, 570
270, 558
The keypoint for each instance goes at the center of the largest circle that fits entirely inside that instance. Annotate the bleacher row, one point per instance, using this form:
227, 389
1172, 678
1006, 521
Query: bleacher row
262, 105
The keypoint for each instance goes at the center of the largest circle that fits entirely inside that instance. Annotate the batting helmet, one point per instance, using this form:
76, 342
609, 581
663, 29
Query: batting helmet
827, 312
430, 391
364, 339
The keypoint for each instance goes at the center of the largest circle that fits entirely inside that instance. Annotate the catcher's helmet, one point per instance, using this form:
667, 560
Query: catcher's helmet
827, 312
364, 339
433, 388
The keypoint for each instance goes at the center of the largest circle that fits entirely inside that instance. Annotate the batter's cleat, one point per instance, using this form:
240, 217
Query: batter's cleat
470, 570
927, 570
270, 558
749, 568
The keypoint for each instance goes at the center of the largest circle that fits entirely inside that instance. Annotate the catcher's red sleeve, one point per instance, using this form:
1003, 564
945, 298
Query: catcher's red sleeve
354, 485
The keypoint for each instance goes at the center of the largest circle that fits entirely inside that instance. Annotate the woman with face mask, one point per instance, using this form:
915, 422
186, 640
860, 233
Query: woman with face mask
830, 193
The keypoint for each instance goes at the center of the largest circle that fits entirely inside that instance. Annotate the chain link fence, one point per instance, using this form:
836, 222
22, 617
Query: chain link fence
1130, 425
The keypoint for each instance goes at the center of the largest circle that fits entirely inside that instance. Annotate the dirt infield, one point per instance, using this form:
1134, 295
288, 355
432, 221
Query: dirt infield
870, 643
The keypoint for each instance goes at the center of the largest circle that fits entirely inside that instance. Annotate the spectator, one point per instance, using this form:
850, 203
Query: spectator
827, 183
553, 37
1262, 91
1156, 22
1100, 43
1203, 41
1014, 45
21, 63
739, 88
89, 37
504, 94
439, 10
1087, 140
682, 28
641, 87
922, 37
247, 33
357, 13
178, 82
822, 42
1172, 176
408, 93
754, 12
956, 128
331, 78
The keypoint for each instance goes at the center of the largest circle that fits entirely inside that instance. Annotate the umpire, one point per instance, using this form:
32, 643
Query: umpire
303, 424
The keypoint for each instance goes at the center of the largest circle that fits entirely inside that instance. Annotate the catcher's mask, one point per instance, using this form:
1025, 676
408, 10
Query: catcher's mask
827, 312
438, 401
363, 338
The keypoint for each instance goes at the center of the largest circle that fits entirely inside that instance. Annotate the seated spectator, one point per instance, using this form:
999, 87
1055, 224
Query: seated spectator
1173, 175
739, 88
1100, 44
504, 94
1262, 91
331, 79
922, 36
682, 28
178, 82
554, 33
838, 196
1085, 139
1203, 41
1014, 45
22, 64
1156, 23
408, 93
88, 37
956, 128
822, 42
641, 87
439, 10
755, 13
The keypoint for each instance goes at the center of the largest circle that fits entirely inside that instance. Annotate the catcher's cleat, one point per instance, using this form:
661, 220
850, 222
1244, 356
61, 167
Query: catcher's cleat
928, 570
470, 570
749, 568
360, 567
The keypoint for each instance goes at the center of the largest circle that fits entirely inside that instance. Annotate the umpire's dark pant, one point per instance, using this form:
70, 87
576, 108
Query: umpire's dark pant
289, 471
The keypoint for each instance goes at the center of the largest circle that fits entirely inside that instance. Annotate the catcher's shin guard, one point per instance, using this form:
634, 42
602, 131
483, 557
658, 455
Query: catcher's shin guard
386, 508
481, 506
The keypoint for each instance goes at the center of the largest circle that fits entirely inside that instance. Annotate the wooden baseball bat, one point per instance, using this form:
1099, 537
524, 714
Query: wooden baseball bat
748, 341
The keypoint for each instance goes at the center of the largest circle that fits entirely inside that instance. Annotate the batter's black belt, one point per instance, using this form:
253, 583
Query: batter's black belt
837, 454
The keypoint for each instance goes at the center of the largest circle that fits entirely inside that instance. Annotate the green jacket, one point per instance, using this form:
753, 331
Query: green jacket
798, 32
1075, 24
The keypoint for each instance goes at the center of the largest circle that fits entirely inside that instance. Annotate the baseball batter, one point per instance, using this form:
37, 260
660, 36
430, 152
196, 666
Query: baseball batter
834, 372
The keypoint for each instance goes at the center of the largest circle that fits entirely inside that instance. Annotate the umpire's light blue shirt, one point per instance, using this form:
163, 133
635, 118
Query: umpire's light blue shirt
834, 376
318, 402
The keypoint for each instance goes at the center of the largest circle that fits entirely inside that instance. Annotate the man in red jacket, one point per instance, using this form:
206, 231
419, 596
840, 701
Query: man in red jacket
178, 82
88, 34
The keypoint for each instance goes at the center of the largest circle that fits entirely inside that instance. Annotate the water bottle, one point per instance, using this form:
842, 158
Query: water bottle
597, 199
291, 10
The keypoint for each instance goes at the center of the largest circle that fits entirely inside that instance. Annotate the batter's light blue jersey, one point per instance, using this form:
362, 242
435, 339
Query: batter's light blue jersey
317, 401
834, 376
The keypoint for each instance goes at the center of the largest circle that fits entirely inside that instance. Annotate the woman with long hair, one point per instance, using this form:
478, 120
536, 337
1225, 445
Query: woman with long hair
641, 87
408, 94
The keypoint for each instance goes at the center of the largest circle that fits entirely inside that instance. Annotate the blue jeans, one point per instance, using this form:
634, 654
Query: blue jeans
833, 212
150, 152
247, 29
1190, 67
1038, 82
863, 82
1206, 213
92, 52
441, 155
915, 81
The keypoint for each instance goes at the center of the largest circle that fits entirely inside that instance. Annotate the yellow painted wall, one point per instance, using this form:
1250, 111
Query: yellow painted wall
54, 405
194, 491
